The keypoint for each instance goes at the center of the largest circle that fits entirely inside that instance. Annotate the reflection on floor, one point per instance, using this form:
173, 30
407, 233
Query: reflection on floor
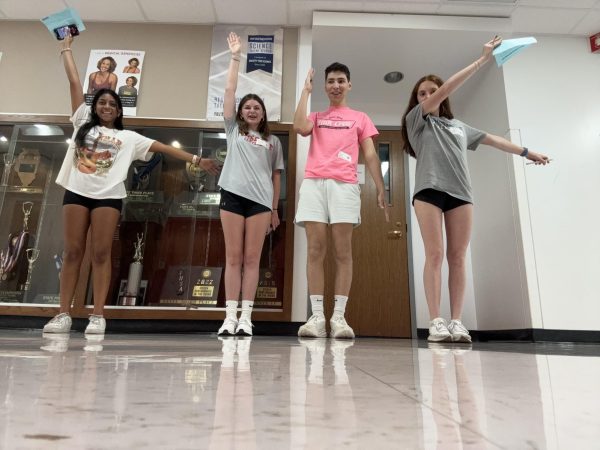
195, 391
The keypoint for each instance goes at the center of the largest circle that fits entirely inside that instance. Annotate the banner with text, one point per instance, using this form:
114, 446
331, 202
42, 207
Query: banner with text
260, 68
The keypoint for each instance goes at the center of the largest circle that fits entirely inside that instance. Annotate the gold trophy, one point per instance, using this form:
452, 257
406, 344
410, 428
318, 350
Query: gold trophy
8, 163
134, 277
32, 256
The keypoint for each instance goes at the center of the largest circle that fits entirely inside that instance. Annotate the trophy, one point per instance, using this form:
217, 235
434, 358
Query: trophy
134, 277
8, 163
32, 256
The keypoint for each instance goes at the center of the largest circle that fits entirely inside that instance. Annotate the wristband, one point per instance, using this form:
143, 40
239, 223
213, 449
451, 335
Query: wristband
235, 59
196, 160
65, 50
524, 152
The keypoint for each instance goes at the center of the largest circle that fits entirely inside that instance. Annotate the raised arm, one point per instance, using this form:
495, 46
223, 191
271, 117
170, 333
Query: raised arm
207, 164
455, 81
235, 47
506, 146
71, 69
373, 164
302, 125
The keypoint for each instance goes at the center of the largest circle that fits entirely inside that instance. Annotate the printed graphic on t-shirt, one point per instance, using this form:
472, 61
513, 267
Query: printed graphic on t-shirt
335, 123
99, 153
255, 140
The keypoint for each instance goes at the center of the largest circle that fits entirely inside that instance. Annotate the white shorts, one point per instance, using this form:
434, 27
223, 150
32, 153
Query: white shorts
328, 201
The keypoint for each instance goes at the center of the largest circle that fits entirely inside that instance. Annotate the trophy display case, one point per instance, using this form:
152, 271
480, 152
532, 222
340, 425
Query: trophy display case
168, 254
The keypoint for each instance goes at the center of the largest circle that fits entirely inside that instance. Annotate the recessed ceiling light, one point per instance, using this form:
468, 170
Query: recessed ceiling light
393, 77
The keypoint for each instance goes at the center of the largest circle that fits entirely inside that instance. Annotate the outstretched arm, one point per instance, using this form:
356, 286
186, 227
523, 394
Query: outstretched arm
455, 81
506, 146
302, 125
374, 167
71, 71
207, 164
235, 47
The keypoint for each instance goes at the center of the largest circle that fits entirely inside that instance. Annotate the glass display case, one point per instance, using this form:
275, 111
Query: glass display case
168, 254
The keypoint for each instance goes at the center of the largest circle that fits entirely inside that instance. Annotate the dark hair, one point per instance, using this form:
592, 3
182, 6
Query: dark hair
95, 120
445, 110
134, 59
113, 63
337, 67
133, 78
263, 126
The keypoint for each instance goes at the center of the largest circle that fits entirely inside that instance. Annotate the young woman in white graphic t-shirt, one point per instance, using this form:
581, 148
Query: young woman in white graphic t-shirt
93, 175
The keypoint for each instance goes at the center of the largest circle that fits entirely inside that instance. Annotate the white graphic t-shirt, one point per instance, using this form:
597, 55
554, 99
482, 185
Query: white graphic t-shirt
99, 168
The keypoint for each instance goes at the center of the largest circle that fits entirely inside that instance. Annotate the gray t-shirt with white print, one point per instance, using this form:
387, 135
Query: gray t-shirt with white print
441, 145
250, 163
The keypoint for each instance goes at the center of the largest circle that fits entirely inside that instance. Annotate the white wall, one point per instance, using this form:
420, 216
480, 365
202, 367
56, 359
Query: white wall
553, 98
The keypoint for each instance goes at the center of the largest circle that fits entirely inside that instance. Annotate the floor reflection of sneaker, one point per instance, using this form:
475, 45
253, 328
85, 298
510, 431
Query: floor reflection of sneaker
228, 327
93, 342
340, 328
338, 351
97, 325
243, 351
338, 348
458, 331
438, 331
244, 327
55, 343
316, 349
314, 327
59, 324
439, 348
228, 348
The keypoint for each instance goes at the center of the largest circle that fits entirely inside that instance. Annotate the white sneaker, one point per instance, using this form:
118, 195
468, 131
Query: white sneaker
97, 325
228, 327
244, 327
458, 331
438, 331
314, 327
340, 328
59, 324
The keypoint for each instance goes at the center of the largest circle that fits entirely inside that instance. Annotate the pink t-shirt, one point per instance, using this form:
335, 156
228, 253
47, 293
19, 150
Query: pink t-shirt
335, 141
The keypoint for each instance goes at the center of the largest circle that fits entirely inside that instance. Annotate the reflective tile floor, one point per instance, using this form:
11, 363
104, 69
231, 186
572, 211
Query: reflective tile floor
194, 391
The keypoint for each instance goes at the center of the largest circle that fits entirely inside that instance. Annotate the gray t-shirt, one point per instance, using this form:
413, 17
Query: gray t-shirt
441, 145
250, 163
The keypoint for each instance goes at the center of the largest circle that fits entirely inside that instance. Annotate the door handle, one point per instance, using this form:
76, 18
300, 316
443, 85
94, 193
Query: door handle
395, 234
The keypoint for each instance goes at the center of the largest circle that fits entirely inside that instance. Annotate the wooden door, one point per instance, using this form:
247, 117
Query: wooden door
379, 302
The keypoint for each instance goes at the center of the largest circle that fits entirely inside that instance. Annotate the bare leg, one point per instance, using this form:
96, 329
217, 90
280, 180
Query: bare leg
256, 229
459, 222
316, 236
342, 243
76, 220
104, 224
233, 232
430, 224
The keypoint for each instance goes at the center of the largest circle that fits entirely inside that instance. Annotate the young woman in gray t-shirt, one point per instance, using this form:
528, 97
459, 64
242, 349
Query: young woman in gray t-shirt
443, 187
250, 185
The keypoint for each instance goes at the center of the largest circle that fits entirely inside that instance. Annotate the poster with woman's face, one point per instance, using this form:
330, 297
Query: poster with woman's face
118, 70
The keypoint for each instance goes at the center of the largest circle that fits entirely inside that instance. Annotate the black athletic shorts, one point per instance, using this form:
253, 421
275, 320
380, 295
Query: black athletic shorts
71, 198
440, 199
239, 205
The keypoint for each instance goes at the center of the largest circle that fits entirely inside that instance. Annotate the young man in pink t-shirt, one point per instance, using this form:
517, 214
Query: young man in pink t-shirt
330, 194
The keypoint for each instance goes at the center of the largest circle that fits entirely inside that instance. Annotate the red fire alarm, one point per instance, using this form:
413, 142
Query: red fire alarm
595, 43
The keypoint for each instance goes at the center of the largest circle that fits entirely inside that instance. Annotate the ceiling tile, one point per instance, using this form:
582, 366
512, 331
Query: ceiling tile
265, 12
392, 7
590, 24
180, 11
30, 9
301, 11
476, 10
559, 3
549, 21
108, 10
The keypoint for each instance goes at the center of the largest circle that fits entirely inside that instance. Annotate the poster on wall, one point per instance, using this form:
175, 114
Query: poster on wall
119, 70
260, 68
